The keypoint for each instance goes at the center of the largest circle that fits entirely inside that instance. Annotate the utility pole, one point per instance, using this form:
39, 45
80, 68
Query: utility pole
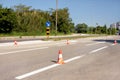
56, 15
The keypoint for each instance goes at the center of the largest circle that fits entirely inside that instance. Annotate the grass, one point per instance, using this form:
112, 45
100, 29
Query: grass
56, 38
70, 37
37, 33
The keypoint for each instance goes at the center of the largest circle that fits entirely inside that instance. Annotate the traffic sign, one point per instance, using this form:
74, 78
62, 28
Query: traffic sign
48, 28
48, 24
47, 32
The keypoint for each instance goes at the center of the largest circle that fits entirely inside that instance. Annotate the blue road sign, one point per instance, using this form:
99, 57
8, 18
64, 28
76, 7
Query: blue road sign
48, 24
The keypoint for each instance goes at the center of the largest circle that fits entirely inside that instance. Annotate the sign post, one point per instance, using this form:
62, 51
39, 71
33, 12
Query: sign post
48, 28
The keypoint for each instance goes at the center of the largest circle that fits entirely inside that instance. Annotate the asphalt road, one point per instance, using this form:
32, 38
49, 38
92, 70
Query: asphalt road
85, 59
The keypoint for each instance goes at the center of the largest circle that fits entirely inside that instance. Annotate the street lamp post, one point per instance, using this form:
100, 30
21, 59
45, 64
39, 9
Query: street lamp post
56, 15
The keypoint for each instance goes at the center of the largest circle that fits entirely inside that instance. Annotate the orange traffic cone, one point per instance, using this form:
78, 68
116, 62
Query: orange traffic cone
60, 58
115, 41
15, 42
67, 41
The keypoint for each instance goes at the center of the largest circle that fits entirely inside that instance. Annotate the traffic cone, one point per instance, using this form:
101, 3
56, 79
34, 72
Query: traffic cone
15, 42
67, 41
115, 41
60, 58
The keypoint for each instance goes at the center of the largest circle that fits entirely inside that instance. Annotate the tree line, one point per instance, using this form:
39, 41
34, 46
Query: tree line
83, 28
24, 19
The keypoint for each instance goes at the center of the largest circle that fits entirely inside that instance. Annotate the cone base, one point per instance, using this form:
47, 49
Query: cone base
60, 63
67, 43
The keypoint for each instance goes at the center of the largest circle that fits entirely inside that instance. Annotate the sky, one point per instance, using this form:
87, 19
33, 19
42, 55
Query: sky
89, 12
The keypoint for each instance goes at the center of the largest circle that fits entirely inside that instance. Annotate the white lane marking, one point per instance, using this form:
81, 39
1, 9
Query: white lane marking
74, 58
45, 68
36, 71
22, 50
94, 43
98, 49
113, 44
61, 45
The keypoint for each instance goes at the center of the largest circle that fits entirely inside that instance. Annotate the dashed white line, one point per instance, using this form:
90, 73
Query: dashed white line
22, 50
45, 68
98, 49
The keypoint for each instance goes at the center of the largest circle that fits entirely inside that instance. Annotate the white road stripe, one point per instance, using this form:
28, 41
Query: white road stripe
45, 68
113, 44
94, 43
74, 58
98, 49
61, 45
36, 71
22, 50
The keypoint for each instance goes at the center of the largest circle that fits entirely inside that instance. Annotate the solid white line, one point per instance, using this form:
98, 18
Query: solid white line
94, 43
45, 68
74, 58
36, 71
98, 49
22, 51
113, 44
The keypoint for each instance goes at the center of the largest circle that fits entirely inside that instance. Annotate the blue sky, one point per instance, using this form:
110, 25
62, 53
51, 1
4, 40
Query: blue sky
81, 11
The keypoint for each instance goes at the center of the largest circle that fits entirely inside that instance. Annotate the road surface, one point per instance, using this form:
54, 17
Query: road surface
85, 59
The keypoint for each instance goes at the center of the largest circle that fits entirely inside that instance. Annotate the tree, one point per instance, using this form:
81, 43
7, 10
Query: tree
98, 30
24, 19
7, 20
112, 31
30, 20
81, 28
90, 30
64, 22
104, 29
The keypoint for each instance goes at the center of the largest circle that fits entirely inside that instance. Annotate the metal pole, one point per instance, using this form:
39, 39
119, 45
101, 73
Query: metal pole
56, 15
